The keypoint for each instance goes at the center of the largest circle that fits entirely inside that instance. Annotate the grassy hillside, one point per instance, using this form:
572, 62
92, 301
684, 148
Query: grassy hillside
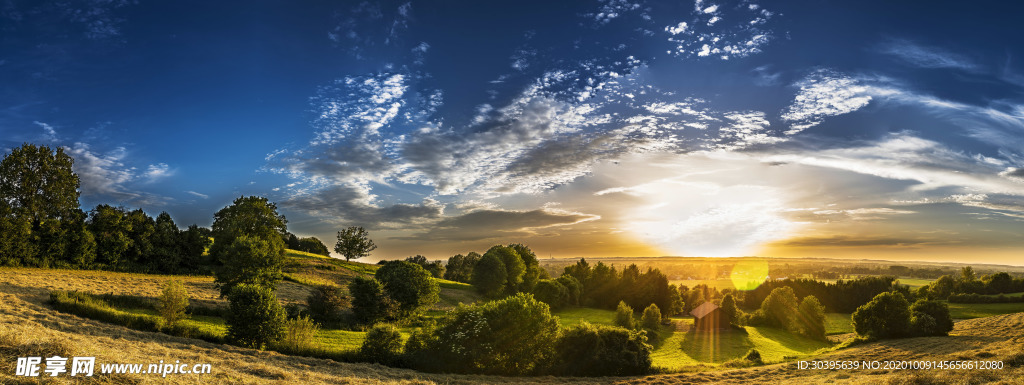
29, 327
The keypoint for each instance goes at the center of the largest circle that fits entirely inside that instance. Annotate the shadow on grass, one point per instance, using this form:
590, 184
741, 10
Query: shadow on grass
716, 346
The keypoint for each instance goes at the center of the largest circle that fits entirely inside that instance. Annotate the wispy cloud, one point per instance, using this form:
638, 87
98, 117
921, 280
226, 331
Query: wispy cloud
49, 134
198, 195
926, 57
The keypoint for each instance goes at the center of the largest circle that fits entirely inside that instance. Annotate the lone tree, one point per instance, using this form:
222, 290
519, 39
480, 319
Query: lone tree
353, 243
249, 244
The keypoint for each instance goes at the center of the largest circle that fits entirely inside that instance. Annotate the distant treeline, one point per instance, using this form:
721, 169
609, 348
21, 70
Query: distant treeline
967, 287
843, 296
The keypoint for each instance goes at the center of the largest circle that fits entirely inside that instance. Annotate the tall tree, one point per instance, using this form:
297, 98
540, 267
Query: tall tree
167, 255
514, 266
37, 182
251, 216
354, 243
248, 243
409, 285
112, 231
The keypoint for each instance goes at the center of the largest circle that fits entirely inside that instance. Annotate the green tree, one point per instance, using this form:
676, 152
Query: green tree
250, 260
194, 241
142, 230
254, 217
552, 293
588, 350
651, 318
38, 183
460, 267
173, 302
255, 318
248, 243
624, 316
930, 318
729, 308
511, 336
514, 266
369, 303
112, 230
779, 308
573, 287
943, 287
167, 254
810, 318
313, 245
533, 273
886, 316
409, 285
354, 243
489, 276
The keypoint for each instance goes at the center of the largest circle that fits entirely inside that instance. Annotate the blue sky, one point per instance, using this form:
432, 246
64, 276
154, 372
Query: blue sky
606, 128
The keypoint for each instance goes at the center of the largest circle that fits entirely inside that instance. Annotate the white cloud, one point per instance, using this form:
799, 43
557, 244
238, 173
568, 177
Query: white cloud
822, 94
158, 171
677, 29
720, 32
199, 195
612, 9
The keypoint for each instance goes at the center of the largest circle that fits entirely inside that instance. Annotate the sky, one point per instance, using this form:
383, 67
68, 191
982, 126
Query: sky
867, 129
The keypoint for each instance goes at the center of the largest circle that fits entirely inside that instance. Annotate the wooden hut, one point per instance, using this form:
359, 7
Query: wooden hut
708, 317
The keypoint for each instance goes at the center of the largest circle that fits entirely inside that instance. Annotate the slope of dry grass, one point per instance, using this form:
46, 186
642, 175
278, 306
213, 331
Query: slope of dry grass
28, 327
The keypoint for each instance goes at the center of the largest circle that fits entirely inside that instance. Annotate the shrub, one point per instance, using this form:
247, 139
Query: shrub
930, 318
587, 350
382, 345
624, 316
326, 303
512, 336
299, 336
754, 357
255, 318
173, 302
368, 300
409, 285
886, 316
651, 318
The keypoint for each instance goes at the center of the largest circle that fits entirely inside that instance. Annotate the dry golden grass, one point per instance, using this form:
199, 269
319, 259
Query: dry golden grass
30, 328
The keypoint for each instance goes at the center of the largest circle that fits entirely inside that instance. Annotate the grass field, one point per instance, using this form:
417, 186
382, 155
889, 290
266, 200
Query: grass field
978, 310
573, 316
838, 323
29, 327
682, 350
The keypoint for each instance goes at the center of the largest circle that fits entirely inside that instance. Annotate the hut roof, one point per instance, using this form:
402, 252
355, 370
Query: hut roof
703, 310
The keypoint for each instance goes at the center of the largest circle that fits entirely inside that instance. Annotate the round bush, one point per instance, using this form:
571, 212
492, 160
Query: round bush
255, 319
382, 344
886, 316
